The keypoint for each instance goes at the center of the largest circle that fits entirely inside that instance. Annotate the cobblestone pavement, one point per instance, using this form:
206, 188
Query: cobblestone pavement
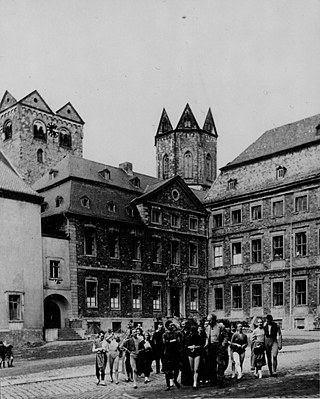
298, 377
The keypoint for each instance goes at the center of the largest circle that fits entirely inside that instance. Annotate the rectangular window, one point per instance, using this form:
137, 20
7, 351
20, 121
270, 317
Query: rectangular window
193, 255
114, 244
15, 308
256, 292
301, 203
256, 212
90, 241
156, 216
136, 296
236, 253
156, 249
217, 256
236, 297
92, 293
136, 247
301, 244
218, 298
277, 293
193, 223
300, 292
236, 216
115, 295
175, 220
256, 250
193, 298
277, 208
277, 247
156, 297
217, 220
175, 252
54, 269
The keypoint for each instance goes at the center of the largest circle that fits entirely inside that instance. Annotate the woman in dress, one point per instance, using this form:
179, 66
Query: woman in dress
258, 356
146, 356
194, 344
100, 349
172, 349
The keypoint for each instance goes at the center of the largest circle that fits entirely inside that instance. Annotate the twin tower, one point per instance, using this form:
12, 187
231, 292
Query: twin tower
35, 139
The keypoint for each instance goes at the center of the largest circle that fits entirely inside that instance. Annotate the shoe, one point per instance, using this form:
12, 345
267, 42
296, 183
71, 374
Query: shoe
274, 374
98, 382
102, 383
167, 389
255, 375
233, 376
176, 383
117, 382
260, 374
135, 387
111, 380
195, 387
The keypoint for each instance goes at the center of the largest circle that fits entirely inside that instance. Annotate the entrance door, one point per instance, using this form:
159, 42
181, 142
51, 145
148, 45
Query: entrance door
175, 302
52, 315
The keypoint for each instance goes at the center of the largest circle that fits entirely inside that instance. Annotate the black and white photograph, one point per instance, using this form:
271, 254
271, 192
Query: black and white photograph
159, 199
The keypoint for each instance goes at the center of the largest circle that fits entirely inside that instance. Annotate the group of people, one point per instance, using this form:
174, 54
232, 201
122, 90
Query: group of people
6, 355
200, 352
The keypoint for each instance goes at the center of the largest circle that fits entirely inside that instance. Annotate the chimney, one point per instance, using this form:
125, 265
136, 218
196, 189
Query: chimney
127, 167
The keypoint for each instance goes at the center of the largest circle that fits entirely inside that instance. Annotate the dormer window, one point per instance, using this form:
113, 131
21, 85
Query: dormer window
232, 183
136, 182
7, 130
44, 207
130, 211
39, 130
105, 174
280, 172
187, 123
59, 201
85, 202
111, 206
52, 174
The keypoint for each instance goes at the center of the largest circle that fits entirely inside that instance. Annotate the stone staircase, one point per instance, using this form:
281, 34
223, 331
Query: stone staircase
68, 334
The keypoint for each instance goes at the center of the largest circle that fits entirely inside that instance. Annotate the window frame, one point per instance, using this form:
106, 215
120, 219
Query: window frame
114, 244
232, 244
275, 295
193, 220
94, 299
217, 256
305, 207
20, 306
136, 302
256, 298
136, 247
215, 298
253, 207
7, 130
233, 219
193, 255
157, 308
112, 302
156, 212
215, 218
175, 220
303, 245
94, 240
194, 299
156, 240
305, 293
234, 286
177, 253
273, 237
255, 252
54, 267
274, 201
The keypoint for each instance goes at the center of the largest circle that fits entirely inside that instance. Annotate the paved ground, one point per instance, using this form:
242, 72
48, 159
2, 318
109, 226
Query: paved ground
73, 377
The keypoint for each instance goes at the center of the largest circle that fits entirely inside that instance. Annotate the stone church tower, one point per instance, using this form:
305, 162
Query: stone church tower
35, 138
187, 150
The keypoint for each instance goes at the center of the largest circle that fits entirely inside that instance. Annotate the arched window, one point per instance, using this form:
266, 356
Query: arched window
165, 167
188, 165
65, 138
209, 174
7, 130
39, 130
40, 156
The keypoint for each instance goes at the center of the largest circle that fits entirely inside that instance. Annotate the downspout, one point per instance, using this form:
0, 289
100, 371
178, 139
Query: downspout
290, 279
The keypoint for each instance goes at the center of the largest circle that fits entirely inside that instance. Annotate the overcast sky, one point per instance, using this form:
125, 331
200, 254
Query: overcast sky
255, 63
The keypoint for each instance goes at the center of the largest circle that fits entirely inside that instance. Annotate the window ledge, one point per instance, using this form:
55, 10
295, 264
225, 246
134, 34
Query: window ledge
15, 321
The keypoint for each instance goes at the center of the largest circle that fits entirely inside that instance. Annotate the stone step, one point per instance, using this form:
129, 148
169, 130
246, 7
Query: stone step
68, 334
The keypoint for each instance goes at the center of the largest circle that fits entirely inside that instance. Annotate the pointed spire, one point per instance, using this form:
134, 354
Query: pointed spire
209, 125
164, 124
187, 120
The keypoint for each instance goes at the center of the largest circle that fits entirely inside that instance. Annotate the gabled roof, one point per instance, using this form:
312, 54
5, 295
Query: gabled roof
34, 100
7, 101
10, 181
77, 167
209, 125
69, 112
157, 187
280, 139
164, 124
187, 115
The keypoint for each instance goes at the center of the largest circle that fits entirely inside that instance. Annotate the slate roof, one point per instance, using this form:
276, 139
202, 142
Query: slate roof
10, 181
280, 139
76, 177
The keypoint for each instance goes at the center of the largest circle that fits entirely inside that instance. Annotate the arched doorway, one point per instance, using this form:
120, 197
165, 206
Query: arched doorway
52, 315
55, 311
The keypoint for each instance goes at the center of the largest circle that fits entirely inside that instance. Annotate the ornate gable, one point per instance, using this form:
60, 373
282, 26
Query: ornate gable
68, 112
164, 124
34, 100
7, 101
187, 120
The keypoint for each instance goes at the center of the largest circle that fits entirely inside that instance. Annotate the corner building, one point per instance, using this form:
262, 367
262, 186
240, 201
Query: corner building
264, 230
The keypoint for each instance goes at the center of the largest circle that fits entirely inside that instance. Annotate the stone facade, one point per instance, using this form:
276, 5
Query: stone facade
264, 233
